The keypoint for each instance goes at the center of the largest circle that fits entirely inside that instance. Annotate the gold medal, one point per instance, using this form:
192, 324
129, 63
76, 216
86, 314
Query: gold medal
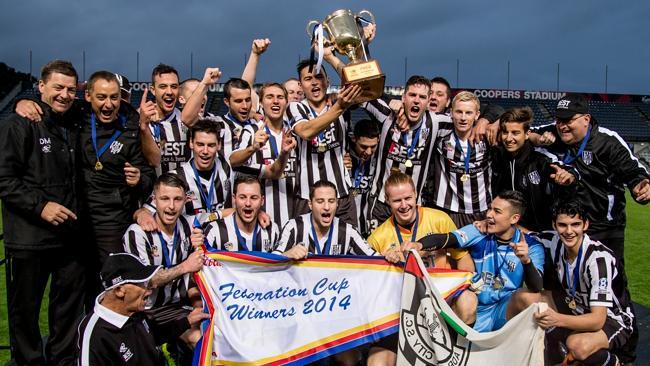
212, 216
497, 284
162, 143
572, 304
322, 148
354, 192
464, 177
408, 163
98, 166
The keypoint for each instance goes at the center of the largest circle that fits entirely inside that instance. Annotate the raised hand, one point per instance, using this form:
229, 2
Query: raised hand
211, 76
348, 95
260, 139
288, 142
148, 111
521, 249
260, 45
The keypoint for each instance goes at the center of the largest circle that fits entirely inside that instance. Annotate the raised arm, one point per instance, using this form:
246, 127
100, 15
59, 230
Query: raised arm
190, 113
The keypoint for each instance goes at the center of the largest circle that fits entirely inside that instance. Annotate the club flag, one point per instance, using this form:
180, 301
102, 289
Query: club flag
269, 310
431, 334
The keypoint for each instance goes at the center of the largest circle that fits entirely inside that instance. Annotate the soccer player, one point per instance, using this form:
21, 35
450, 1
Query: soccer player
440, 95
242, 231
462, 170
410, 222
589, 308
117, 330
38, 189
505, 258
320, 232
321, 131
260, 147
294, 90
519, 167
363, 161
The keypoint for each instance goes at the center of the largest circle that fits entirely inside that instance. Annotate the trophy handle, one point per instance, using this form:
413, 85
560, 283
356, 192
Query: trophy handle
310, 27
370, 16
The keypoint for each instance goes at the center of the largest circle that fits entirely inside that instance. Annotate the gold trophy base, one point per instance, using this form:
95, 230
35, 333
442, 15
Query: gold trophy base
369, 76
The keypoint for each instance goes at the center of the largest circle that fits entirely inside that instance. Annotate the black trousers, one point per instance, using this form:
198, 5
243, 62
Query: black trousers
27, 274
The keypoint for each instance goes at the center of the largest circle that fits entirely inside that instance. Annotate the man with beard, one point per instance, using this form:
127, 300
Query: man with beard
519, 167
321, 131
38, 189
259, 149
242, 231
505, 258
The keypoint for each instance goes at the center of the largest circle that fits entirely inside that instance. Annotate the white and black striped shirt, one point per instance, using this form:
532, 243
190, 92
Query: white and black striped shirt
326, 164
600, 281
362, 176
279, 193
225, 134
345, 239
235, 129
409, 152
148, 246
222, 235
471, 196
172, 136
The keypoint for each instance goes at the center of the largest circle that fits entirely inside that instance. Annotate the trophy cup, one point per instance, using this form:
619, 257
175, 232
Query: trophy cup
346, 35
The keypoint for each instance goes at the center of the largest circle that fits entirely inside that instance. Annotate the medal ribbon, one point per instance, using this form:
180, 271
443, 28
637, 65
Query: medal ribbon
158, 125
321, 136
414, 142
414, 232
568, 158
576, 272
169, 259
274, 145
358, 173
93, 135
328, 243
462, 153
207, 198
496, 255
234, 120
240, 239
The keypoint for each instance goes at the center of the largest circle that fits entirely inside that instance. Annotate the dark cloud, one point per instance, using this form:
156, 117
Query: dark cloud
583, 36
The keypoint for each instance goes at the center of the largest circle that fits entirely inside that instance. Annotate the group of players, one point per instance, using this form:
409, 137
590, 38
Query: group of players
286, 170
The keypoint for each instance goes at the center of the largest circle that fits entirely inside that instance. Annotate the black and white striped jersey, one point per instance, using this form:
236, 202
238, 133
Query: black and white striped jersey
214, 186
452, 192
224, 234
322, 156
225, 134
235, 127
409, 152
362, 175
172, 136
342, 239
279, 193
157, 248
600, 278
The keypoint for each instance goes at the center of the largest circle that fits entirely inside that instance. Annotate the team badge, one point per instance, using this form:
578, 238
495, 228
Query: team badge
336, 249
511, 266
267, 245
534, 177
229, 246
587, 157
154, 251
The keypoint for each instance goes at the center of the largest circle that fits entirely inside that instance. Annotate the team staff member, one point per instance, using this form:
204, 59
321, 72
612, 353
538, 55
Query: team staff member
321, 131
242, 231
589, 308
117, 331
262, 144
517, 166
39, 190
440, 95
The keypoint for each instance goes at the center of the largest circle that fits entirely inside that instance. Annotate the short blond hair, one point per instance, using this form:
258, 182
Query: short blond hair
395, 179
466, 96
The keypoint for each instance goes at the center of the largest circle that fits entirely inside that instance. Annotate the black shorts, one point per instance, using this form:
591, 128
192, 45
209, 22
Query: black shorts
388, 342
617, 334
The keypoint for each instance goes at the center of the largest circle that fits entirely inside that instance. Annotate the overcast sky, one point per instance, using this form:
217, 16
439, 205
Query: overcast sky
582, 36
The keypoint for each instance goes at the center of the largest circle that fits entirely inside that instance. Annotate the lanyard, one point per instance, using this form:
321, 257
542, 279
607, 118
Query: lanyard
414, 142
462, 153
274, 145
321, 136
414, 232
93, 135
234, 120
157, 126
568, 158
207, 198
360, 171
576, 271
496, 255
240, 239
168, 259
328, 243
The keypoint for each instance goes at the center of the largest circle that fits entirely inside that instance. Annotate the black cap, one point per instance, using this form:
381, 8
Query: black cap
121, 268
571, 105
125, 85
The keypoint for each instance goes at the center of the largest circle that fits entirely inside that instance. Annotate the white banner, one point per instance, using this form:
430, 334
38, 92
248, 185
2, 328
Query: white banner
431, 334
269, 310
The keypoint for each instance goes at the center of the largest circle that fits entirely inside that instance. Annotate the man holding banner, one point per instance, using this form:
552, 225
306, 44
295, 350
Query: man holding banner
505, 258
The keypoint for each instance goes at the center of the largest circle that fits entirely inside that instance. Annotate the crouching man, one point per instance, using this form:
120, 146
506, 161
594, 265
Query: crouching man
589, 310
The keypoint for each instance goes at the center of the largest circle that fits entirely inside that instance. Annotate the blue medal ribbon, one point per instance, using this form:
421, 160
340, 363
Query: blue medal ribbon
414, 232
576, 272
361, 170
93, 135
568, 158
414, 142
157, 126
274, 145
207, 198
496, 255
240, 239
462, 153
321, 135
328, 243
234, 120
167, 258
